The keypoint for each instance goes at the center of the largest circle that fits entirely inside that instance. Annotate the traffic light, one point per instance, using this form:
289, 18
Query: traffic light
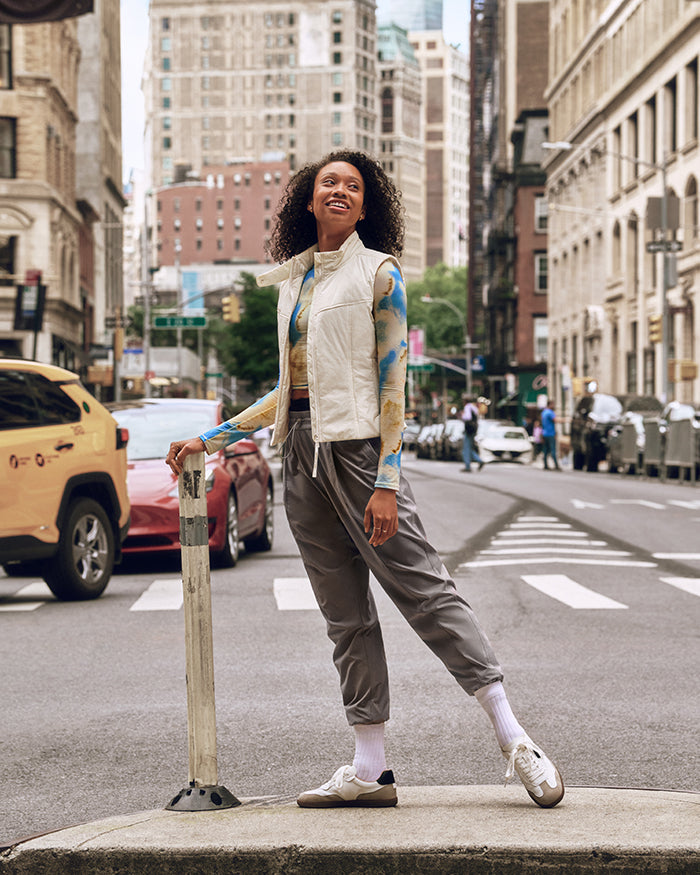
656, 328
229, 309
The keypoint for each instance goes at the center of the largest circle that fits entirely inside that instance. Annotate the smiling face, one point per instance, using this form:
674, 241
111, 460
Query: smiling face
338, 198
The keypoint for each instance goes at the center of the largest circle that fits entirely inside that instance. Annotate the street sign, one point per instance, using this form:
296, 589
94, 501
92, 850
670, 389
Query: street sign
213, 374
664, 246
114, 322
180, 322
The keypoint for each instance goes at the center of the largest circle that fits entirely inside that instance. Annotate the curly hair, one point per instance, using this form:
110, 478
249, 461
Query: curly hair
381, 229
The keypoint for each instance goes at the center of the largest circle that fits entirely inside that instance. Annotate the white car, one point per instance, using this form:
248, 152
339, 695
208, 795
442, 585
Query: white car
503, 442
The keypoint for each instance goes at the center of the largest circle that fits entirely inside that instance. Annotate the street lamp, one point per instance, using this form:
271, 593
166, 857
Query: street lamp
427, 299
566, 146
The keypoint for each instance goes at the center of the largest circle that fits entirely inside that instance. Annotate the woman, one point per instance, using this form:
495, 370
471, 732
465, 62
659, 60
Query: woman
338, 408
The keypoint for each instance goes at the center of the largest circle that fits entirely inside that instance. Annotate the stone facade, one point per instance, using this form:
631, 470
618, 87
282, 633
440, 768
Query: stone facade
624, 108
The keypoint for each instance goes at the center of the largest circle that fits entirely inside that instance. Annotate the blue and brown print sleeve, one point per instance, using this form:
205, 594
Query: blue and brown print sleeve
258, 415
392, 348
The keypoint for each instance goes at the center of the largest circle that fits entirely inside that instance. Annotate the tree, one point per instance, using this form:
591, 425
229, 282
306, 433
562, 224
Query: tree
443, 331
248, 349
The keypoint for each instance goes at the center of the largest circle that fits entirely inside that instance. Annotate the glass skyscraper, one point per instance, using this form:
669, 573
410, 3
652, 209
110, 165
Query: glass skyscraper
412, 14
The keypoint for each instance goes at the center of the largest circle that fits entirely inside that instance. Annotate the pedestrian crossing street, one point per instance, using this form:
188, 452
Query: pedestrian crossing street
528, 540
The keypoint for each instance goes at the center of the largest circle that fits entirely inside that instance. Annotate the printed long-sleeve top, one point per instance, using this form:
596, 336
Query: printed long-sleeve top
390, 332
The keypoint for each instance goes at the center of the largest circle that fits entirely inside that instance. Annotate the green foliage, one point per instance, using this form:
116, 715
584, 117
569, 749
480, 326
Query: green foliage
443, 330
248, 349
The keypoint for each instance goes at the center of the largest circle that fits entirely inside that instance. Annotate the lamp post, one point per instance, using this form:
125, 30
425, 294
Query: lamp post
427, 299
566, 146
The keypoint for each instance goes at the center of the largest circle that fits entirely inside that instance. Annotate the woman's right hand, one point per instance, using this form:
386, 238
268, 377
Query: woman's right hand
179, 450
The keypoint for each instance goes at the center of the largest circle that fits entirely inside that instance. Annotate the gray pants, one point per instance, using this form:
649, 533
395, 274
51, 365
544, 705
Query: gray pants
325, 515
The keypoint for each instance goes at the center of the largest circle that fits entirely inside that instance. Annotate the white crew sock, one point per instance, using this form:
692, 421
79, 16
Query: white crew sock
369, 760
494, 701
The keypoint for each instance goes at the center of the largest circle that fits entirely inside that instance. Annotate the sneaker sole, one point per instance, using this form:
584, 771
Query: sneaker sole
542, 804
327, 802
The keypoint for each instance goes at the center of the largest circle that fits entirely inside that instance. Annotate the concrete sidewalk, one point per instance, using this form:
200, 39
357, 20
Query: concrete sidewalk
445, 830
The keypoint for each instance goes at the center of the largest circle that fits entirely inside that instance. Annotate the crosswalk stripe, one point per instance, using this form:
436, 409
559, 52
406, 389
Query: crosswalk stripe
521, 524
35, 590
558, 541
676, 555
687, 584
568, 550
566, 590
161, 595
548, 560
552, 533
294, 594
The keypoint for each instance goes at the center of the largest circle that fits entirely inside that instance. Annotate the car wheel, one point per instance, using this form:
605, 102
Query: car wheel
83, 564
228, 556
263, 542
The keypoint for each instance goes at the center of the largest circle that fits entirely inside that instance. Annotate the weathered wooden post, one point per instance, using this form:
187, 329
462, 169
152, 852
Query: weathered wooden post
203, 792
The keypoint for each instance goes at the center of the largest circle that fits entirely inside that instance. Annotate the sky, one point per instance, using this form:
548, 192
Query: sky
134, 36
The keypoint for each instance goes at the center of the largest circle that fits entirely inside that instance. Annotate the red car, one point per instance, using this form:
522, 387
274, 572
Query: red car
239, 483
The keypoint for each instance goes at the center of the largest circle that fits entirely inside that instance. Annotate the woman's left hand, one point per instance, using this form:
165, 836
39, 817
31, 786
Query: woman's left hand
381, 516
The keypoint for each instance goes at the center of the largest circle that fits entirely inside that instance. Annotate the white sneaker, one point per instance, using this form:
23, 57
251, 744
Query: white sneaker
345, 789
538, 773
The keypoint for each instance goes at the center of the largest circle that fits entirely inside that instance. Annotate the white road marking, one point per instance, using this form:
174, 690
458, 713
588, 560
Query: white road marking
676, 555
687, 584
35, 590
539, 519
581, 504
643, 502
569, 533
510, 541
548, 560
161, 595
690, 505
566, 590
540, 524
294, 594
568, 550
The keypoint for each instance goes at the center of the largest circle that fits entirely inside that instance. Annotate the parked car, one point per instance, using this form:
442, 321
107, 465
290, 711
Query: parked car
500, 441
410, 435
678, 411
238, 481
428, 441
594, 415
64, 508
453, 439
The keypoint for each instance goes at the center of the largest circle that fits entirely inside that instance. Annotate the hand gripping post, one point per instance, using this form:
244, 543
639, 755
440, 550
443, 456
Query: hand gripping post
203, 792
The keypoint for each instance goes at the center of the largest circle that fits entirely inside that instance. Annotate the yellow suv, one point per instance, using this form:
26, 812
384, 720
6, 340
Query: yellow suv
64, 508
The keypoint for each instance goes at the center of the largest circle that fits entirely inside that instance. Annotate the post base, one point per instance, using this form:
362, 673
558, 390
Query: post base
208, 798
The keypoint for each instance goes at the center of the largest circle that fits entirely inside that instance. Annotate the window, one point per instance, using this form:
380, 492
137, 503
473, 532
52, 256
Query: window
267, 203
220, 224
177, 224
337, 97
165, 24
166, 103
199, 242
237, 244
198, 205
166, 84
337, 138
166, 63
540, 272
650, 128
198, 224
541, 212
541, 336
165, 44
176, 205
337, 36
167, 142
337, 79
387, 111
691, 100
5, 56
670, 112
337, 57
8, 148
336, 118
219, 204
337, 16
7, 260
167, 121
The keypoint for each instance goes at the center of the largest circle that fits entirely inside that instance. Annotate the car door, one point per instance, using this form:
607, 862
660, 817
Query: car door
243, 461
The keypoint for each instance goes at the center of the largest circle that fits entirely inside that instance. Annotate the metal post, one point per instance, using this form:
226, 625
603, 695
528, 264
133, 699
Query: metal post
666, 316
146, 291
203, 792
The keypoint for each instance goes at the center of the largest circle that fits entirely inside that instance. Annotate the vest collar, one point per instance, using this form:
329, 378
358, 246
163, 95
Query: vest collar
322, 261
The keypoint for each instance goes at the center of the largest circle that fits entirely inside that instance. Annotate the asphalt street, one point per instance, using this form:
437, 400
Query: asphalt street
587, 585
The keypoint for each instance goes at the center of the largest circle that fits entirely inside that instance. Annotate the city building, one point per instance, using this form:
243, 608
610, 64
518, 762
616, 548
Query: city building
222, 216
40, 223
401, 139
230, 80
445, 101
623, 173
508, 248
413, 14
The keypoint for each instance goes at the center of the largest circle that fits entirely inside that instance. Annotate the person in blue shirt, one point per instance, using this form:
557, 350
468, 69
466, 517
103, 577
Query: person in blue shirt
549, 435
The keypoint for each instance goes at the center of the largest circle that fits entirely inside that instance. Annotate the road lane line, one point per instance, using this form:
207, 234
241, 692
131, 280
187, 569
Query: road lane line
294, 594
687, 584
643, 502
510, 541
518, 533
35, 590
676, 555
161, 595
566, 590
568, 550
562, 560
